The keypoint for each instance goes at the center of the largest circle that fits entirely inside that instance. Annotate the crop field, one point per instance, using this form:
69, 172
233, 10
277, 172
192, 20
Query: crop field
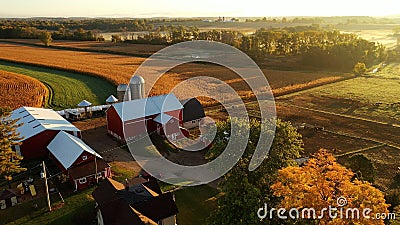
13, 86
118, 69
111, 47
66, 89
373, 96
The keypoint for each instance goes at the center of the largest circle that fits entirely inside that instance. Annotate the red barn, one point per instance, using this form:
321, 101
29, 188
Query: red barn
162, 114
39, 127
78, 161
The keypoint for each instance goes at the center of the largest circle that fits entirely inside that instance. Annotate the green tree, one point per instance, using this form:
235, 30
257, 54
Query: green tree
244, 192
45, 38
362, 167
9, 159
359, 69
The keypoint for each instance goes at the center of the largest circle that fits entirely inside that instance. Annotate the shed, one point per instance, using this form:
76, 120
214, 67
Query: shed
130, 119
193, 113
8, 198
77, 160
38, 128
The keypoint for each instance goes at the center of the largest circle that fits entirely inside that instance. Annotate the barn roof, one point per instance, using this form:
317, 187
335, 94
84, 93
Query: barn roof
139, 201
37, 120
162, 118
139, 108
67, 148
192, 110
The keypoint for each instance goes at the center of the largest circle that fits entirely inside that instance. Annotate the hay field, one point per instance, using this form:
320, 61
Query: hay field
17, 90
118, 69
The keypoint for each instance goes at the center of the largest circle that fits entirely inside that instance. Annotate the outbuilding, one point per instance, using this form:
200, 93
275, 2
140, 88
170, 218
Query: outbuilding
131, 119
78, 161
193, 113
8, 198
38, 127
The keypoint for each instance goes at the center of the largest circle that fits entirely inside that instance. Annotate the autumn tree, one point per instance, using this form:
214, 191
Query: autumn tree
320, 183
9, 159
244, 191
46, 38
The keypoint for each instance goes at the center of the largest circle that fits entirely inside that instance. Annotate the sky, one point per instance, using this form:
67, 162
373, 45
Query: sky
199, 8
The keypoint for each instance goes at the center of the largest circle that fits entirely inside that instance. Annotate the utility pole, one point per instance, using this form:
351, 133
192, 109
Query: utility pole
47, 187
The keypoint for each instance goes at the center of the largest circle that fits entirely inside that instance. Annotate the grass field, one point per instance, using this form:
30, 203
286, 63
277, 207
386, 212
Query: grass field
195, 204
66, 89
13, 86
373, 96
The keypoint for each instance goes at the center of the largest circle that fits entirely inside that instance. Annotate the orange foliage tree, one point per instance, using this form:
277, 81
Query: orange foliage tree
324, 184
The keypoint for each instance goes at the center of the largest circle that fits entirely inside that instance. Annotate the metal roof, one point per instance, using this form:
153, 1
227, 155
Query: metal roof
163, 118
37, 120
139, 108
67, 148
111, 99
84, 103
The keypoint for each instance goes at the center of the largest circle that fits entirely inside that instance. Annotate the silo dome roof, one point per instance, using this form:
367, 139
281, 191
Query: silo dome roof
137, 80
122, 87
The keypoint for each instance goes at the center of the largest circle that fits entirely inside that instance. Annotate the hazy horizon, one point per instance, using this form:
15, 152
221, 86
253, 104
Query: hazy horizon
205, 8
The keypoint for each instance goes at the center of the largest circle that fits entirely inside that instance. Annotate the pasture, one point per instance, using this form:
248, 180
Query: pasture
373, 96
13, 86
66, 89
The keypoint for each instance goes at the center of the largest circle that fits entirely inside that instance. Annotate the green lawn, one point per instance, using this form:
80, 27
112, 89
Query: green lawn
66, 89
77, 210
195, 204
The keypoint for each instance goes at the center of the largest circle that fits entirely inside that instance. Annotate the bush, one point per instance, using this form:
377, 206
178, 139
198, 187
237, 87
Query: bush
359, 69
362, 167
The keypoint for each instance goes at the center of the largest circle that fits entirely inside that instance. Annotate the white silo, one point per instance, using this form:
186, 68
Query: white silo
121, 90
136, 87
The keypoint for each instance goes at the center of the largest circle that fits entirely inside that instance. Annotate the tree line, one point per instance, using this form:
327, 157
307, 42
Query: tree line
314, 47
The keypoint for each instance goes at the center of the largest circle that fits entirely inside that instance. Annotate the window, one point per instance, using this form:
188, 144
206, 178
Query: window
82, 180
84, 157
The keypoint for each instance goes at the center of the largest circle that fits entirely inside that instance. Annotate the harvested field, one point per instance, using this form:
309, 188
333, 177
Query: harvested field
118, 69
17, 90
109, 47
374, 96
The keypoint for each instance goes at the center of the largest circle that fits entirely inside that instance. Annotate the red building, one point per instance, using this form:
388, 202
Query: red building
39, 127
78, 161
130, 119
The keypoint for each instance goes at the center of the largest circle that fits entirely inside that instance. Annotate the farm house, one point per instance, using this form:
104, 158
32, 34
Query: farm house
78, 161
38, 128
193, 113
138, 201
161, 114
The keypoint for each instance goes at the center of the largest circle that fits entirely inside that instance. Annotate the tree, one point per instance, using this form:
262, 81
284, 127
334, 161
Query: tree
362, 167
320, 183
243, 192
45, 38
9, 159
359, 69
